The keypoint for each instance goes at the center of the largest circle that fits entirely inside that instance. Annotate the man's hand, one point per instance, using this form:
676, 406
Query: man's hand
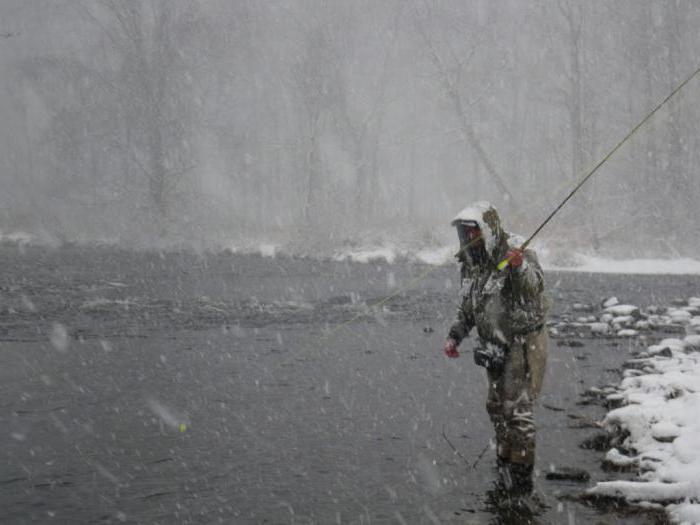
451, 348
514, 257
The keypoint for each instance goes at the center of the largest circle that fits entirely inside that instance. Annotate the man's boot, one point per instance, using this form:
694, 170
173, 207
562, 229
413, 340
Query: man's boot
523, 491
521, 479
515, 488
507, 499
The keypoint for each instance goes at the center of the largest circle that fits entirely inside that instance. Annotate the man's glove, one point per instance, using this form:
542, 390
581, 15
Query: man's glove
451, 348
514, 257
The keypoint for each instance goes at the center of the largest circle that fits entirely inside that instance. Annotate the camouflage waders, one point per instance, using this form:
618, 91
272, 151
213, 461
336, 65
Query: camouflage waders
512, 390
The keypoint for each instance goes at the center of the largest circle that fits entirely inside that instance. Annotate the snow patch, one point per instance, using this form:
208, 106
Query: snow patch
591, 264
612, 301
661, 400
365, 255
268, 250
623, 310
600, 328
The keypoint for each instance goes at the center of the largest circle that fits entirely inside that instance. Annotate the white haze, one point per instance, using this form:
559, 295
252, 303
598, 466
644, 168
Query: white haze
324, 124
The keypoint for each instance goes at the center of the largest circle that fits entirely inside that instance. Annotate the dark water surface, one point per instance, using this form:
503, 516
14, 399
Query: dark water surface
176, 388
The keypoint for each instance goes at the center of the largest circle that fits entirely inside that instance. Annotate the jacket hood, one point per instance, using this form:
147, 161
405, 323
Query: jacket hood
486, 216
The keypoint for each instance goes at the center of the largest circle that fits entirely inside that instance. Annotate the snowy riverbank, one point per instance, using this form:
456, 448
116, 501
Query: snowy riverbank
390, 252
575, 262
657, 420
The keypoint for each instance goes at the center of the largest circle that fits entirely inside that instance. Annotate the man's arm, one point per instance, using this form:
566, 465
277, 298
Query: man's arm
460, 329
464, 323
527, 275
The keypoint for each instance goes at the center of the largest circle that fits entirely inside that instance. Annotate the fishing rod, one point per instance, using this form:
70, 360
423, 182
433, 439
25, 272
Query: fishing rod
504, 262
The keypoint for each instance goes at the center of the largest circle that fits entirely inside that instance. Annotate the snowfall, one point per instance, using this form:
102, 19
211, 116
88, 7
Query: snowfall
658, 398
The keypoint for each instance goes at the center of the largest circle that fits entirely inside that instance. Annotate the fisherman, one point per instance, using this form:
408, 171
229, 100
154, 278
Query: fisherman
508, 309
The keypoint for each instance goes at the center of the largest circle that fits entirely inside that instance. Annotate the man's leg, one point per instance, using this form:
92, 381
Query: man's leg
512, 391
497, 413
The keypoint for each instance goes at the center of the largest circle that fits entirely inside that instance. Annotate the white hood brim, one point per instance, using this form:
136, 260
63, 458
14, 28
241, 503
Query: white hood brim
475, 212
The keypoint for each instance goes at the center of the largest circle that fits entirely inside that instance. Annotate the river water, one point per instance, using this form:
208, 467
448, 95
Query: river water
145, 387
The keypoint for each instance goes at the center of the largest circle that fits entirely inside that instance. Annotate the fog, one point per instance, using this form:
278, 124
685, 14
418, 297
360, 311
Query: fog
322, 124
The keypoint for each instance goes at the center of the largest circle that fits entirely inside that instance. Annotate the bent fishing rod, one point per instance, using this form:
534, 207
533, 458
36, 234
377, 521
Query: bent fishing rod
504, 262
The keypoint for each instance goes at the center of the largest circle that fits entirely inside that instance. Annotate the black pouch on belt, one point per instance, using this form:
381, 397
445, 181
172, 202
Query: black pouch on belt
490, 356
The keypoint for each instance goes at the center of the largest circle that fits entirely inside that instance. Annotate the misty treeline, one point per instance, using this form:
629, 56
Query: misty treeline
326, 123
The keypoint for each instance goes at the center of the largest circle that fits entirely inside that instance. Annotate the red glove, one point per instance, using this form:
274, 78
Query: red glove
451, 348
515, 257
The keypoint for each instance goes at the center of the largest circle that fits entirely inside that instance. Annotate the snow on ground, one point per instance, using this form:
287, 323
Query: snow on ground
364, 255
587, 263
660, 396
626, 320
432, 255
577, 262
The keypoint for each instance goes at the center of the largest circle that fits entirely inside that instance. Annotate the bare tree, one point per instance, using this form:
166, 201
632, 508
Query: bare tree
451, 71
150, 77
320, 90
362, 126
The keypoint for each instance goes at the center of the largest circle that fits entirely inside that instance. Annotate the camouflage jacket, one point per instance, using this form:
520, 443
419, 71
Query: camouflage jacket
500, 304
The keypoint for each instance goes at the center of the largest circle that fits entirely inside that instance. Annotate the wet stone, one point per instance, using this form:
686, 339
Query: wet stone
666, 352
671, 329
600, 442
583, 423
568, 474
552, 407
572, 343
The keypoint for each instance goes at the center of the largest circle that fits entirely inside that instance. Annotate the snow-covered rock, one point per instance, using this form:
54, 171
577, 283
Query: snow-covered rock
615, 457
665, 431
678, 315
692, 342
692, 310
693, 326
624, 309
626, 332
642, 325
671, 344
623, 320
684, 513
600, 328
655, 320
660, 405
606, 318
612, 301
644, 490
